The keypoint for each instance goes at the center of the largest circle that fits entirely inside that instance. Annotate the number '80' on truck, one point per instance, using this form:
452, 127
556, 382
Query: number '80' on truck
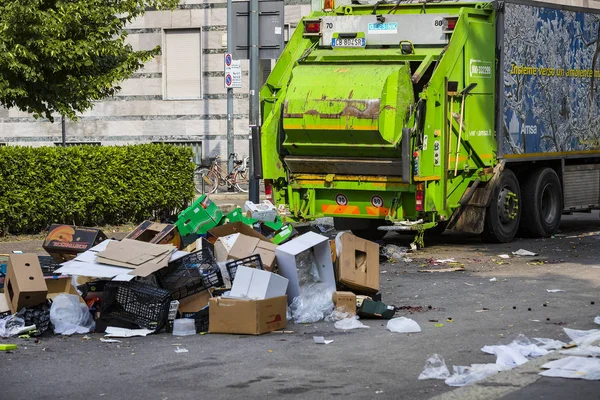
476, 117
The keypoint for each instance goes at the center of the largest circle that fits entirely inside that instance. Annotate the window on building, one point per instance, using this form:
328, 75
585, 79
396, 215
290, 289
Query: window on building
182, 60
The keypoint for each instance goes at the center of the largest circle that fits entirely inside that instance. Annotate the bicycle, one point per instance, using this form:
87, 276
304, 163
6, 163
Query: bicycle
216, 176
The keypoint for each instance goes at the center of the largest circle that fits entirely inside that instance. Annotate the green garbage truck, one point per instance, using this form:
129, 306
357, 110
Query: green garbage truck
481, 117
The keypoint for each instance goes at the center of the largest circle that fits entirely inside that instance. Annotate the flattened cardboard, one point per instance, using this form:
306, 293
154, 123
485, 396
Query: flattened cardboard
25, 285
286, 261
157, 233
194, 303
64, 242
345, 302
358, 264
61, 285
250, 317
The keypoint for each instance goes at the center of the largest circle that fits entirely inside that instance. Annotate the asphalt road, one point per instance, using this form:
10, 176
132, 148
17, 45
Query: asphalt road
365, 363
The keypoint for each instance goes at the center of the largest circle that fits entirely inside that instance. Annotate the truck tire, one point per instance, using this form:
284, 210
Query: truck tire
503, 214
542, 203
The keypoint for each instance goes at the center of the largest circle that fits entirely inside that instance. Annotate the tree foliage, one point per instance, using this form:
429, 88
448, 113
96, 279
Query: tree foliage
58, 56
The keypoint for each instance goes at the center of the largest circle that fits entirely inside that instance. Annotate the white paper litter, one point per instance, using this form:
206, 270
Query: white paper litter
103, 340
575, 334
435, 368
350, 323
321, 340
463, 376
503, 256
587, 345
113, 331
574, 368
94, 270
549, 344
403, 325
493, 280
181, 350
446, 260
523, 252
505, 355
554, 290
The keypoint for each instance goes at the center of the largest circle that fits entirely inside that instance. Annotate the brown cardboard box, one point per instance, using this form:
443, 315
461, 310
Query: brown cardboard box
251, 317
230, 229
357, 266
244, 246
60, 285
345, 302
194, 303
25, 285
64, 242
157, 233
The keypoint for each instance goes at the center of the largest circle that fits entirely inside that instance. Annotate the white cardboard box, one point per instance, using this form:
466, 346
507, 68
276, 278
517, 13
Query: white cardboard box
264, 211
288, 267
252, 283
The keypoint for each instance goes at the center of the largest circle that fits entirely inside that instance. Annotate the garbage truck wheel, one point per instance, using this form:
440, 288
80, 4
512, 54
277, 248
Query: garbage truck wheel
503, 215
542, 203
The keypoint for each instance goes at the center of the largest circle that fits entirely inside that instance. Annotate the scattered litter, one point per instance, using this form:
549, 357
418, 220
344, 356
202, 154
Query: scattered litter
69, 315
554, 290
86, 337
455, 269
574, 368
378, 391
112, 331
516, 353
482, 310
8, 347
463, 376
597, 320
104, 340
13, 326
439, 325
469, 284
394, 253
446, 260
503, 256
321, 340
549, 344
587, 345
435, 368
575, 334
523, 252
181, 350
350, 323
403, 325
493, 280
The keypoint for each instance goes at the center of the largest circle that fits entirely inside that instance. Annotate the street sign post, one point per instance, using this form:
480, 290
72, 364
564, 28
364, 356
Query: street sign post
233, 72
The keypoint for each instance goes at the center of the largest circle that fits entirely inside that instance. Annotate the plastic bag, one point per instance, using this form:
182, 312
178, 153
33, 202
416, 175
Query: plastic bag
597, 320
308, 269
350, 323
403, 325
11, 326
549, 344
394, 253
69, 316
463, 376
313, 304
435, 368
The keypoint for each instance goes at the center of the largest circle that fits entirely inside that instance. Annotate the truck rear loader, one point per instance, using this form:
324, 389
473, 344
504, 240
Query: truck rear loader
470, 116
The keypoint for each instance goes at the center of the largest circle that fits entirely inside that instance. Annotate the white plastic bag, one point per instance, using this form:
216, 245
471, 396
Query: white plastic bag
313, 304
350, 323
467, 375
69, 316
403, 325
13, 325
435, 368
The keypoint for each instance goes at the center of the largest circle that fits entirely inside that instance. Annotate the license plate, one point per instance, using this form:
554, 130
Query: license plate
348, 42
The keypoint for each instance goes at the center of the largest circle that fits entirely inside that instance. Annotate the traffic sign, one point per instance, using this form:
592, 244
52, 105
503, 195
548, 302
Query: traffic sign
233, 72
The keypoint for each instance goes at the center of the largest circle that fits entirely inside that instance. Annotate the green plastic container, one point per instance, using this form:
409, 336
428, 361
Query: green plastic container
199, 218
237, 215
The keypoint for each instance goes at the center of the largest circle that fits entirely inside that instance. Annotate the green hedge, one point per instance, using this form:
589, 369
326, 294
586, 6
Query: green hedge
91, 185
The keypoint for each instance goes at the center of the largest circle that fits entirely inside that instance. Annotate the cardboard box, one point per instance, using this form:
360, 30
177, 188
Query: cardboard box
230, 229
201, 216
194, 303
287, 260
240, 245
64, 242
61, 284
25, 285
252, 283
358, 264
264, 211
250, 317
157, 233
345, 302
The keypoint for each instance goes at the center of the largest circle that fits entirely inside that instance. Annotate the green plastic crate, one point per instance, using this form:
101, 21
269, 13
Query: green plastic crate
199, 218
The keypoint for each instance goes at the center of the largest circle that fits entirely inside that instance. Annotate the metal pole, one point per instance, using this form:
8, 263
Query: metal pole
63, 130
230, 144
253, 194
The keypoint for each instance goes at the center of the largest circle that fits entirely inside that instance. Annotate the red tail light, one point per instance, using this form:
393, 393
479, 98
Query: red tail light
269, 189
419, 197
450, 24
312, 27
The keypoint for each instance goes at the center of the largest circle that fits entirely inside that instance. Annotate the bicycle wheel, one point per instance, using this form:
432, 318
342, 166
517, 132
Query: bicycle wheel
205, 181
240, 181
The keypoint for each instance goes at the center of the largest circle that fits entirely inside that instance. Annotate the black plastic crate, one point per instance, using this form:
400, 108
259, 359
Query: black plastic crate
48, 265
190, 274
144, 305
200, 319
253, 261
